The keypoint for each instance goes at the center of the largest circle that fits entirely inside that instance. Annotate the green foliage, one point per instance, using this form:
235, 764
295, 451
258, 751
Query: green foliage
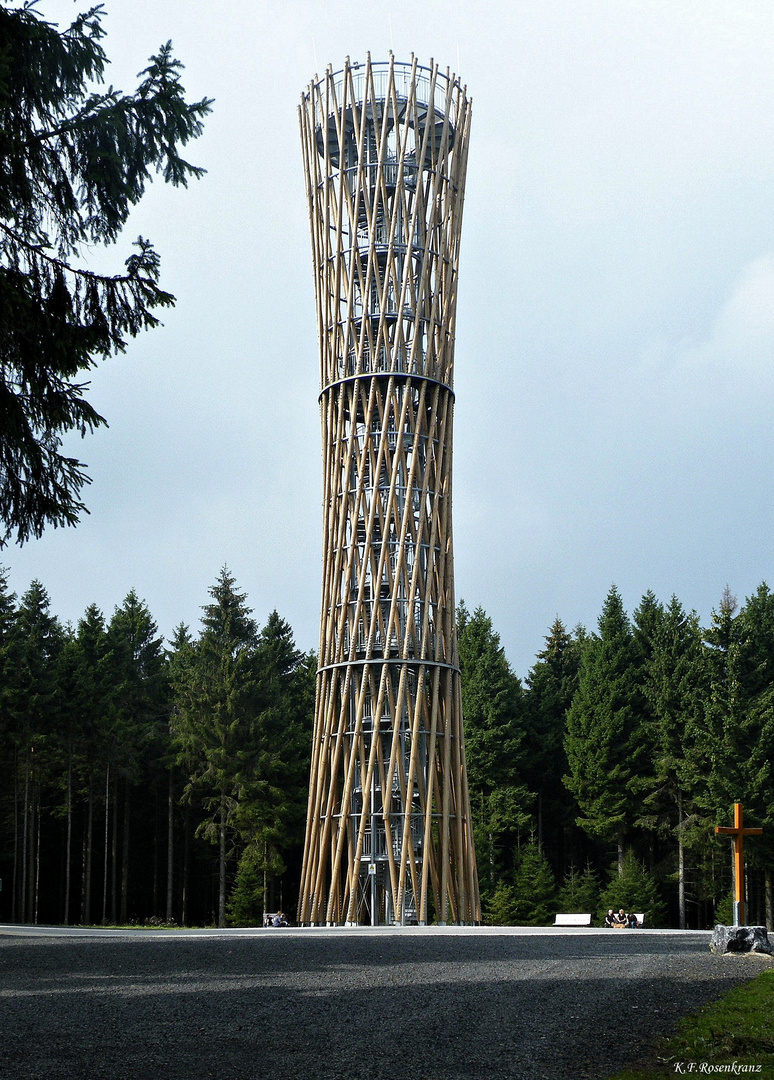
215, 707
491, 701
580, 892
492, 708
718, 732
274, 769
37, 640
502, 908
633, 889
602, 739
724, 912
102, 732
73, 164
215, 693
734, 728
675, 685
246, 899
744, 762
551, 686
534, 887
136, 659
7, 649
86, 697
241, 720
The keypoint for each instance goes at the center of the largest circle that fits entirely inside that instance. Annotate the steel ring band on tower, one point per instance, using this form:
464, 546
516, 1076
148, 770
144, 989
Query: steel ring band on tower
383, 375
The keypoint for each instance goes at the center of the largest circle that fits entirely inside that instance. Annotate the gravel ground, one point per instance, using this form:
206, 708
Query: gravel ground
417, 1004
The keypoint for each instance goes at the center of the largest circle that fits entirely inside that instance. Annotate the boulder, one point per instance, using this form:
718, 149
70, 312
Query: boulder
739, 939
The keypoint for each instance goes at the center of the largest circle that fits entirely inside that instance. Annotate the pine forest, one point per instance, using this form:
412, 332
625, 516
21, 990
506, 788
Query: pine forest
152, 783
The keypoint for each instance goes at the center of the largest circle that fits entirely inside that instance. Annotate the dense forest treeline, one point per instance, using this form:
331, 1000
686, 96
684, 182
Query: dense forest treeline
598, 781
144, 783
148, 784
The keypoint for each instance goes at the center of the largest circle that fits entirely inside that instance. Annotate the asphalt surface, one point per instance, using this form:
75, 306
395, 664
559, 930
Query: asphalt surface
413, 1004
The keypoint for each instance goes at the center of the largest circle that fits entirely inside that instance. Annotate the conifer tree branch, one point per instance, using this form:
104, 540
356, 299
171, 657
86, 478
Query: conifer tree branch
73, 163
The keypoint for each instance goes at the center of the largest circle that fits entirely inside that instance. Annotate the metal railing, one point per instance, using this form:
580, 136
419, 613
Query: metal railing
426, 93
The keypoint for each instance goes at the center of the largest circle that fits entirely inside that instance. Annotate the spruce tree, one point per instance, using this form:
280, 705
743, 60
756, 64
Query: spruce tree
534, 887
8, 746
36, 645
752, 746
7, 663
135, 661
275, 758
632, 888
674, 684
579, 892
492, 706
214, 704
724, 714
85, 707
602, 738
246, 904
647, 620
74, 161
551, 686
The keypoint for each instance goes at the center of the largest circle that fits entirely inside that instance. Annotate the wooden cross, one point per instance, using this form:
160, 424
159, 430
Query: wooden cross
738, 832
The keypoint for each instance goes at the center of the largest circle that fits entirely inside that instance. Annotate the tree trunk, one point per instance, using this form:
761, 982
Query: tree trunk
156, 845
86, 919
107, 845
69, 841
37, 868
25, 835
114, 859
265, 898
680, 861
83, 879
170, 841
222, 874
620, 854
15, 834
29, 907
769, 883
186, 859
125, 858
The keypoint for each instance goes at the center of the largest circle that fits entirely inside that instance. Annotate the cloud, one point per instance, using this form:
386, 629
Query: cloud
728, 363
743, 333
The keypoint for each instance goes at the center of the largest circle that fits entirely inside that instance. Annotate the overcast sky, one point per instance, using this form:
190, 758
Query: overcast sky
615, 323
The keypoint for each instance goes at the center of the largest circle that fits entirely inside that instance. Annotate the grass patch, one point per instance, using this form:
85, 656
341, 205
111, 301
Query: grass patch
737, 1029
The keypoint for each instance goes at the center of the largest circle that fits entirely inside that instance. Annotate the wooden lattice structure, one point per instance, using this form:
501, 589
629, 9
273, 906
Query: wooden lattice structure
388, 835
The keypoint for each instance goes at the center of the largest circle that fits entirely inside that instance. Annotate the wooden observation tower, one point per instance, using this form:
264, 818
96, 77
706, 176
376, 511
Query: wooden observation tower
388, 833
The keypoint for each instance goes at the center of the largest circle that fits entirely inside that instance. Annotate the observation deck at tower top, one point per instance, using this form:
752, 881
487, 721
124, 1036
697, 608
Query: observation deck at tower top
431, 95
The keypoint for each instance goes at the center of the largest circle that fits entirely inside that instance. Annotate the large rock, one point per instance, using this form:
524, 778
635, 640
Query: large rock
739, 939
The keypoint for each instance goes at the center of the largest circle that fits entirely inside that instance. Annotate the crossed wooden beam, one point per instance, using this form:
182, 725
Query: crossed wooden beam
738, 832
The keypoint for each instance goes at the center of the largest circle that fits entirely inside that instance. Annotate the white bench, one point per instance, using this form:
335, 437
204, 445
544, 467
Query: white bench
572, 920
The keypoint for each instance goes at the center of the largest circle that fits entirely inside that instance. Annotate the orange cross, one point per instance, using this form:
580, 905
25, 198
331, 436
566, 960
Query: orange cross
739, 832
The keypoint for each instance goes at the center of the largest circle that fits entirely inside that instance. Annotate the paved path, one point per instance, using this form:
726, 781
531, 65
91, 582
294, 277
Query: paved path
413, 1004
